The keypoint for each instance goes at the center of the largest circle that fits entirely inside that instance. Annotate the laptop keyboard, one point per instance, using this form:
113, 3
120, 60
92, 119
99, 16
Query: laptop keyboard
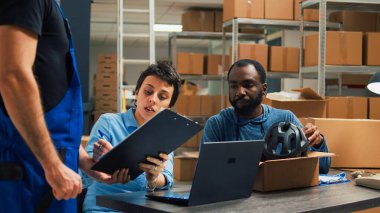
178, 195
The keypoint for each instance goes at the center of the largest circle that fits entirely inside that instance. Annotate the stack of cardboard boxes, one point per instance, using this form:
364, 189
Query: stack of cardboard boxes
199, 64
105, 84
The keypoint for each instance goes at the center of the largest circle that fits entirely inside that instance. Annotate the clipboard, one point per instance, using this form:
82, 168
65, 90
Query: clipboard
164, 132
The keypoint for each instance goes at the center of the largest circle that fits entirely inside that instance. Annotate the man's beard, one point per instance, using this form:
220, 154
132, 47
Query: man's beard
249, 108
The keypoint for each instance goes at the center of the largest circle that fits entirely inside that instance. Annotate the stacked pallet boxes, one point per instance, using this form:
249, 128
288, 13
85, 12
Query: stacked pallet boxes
105, 85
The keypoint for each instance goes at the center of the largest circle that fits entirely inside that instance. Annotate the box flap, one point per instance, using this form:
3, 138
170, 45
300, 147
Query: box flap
308, 93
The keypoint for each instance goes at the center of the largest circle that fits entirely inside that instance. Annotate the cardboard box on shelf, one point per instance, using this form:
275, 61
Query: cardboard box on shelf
184, 166
378, 23
210, 105
355, 21
243, 9
374, 108
283, 9
218, 21
194, 141
371, 49
198, 21
310, 104
284, 59
188, 105
289, 173
190, 63
104, 105
107, 58
355, 142
257, 52
308, 14
342, 48
105, 95
355, 79
214, 64
347, 107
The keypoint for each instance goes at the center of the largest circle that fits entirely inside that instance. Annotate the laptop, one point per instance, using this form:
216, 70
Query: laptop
225, 171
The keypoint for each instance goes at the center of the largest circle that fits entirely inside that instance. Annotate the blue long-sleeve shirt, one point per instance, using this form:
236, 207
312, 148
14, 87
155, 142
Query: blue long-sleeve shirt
226, 126
114, 128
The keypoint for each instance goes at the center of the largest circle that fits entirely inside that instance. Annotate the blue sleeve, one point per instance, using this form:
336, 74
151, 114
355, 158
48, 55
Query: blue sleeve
324, 163
168, 172
211, 131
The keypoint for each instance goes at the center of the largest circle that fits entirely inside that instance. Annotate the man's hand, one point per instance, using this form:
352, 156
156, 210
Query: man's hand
65, 183
313, 135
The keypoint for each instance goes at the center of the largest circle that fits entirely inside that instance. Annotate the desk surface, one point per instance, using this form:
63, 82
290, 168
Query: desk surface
344, 197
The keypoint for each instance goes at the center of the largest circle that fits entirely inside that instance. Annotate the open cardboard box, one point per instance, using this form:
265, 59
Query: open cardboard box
310, 104
289, 173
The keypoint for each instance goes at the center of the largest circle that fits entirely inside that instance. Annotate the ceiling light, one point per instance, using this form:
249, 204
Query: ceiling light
167, 28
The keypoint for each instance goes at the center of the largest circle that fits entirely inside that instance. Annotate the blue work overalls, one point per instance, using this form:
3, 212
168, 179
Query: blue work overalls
23, 187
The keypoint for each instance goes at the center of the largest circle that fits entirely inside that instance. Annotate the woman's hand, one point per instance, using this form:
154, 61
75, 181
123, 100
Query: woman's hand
153, 169
100, 148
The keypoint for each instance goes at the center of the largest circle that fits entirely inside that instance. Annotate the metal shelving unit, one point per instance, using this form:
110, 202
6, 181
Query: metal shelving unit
324, 71
120, 44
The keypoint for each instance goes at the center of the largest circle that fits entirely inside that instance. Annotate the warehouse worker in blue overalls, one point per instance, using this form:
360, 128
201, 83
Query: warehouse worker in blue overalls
40, 110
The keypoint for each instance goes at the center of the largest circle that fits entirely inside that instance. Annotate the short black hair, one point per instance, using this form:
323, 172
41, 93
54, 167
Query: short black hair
166, 72
245, 62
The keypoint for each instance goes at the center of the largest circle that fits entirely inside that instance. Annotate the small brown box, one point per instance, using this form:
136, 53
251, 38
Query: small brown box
190, 63
106, 58
284, 59
347, 107
289, 173
374, 108
342, 48
214, 64
355, 21
371, 49
184, 167
308, 14
198, 21
243, 9
275, 9
257, 52
218, 22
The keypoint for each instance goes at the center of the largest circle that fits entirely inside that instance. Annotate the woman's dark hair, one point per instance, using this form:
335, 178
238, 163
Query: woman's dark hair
164, 71
245, 62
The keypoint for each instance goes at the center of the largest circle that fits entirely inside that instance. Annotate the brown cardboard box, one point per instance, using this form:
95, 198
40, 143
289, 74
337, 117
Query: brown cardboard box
347, 107
355, 142
275, 9
109, 68
218, 21
188, 105
289, 173
198, 21
257, 52
194, 141
308, 14
105, 95
355, 79
355, 21
84, 140
374, 108
378, 23
243, 9
106, 58
284, 59
210, 105
371, 49
190, 63
105, 105
184, 166
342, 48
214, 64
311, 104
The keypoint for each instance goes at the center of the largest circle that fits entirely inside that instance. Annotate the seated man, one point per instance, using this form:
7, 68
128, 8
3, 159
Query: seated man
248, 119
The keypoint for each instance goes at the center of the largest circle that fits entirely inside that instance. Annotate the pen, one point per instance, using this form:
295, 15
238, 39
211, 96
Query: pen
101, 134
